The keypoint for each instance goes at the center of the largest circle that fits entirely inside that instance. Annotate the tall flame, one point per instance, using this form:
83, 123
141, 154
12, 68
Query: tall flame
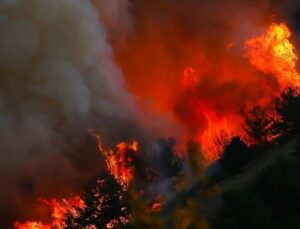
119, 162
218, 128
273, 53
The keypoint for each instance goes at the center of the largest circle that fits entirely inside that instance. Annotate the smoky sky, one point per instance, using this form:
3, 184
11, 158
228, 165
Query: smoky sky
70, 65
58, 79
171, 35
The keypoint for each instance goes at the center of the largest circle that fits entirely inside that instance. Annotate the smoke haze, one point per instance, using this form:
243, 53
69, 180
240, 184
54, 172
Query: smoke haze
58, 79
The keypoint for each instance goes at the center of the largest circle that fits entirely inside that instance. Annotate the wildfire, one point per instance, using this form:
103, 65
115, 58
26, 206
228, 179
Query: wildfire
120, 162
273, 53
209, 127
219, 131
59, 212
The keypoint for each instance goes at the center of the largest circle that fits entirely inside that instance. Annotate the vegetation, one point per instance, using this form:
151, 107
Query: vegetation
271, 200
105, 202
235, 155
170, 163
288, 108
259, 125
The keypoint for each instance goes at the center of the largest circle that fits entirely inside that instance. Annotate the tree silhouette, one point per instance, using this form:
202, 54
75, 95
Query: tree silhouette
271, 200
288, 107
170, 163
259, 125
235, 154
105, 202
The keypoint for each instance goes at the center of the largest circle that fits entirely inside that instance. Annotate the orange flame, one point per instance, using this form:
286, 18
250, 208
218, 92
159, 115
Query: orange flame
218, 132
119, 162
30, 225
210, 128
273, 53
155, 206
59, 211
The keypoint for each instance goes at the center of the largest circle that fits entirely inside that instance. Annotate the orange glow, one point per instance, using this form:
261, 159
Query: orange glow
59, 211
216, 135
217, 85
154, 207
190, 78
273, 53
120, 162
211, 108
212, 129
30, 225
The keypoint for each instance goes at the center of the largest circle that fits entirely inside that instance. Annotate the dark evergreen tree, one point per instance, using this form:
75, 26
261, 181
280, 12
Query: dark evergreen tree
272, 200
259, 125
170, 163
288, 108
235, 155
105, 202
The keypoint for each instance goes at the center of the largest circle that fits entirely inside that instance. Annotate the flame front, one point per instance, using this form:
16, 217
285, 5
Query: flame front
200, 102
59, 211
273, 53
120, 162
209, 127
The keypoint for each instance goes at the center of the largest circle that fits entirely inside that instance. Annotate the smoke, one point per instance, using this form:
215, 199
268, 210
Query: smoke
58, 79
118, 21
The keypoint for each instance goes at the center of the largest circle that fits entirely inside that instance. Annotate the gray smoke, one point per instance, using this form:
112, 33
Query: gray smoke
58, 79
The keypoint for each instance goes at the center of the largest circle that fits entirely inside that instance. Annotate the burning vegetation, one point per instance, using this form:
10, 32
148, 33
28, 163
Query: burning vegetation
225, 95
272, 53
104, 203
59, 212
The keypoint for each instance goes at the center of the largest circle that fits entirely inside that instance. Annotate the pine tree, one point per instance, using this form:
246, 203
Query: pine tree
171, 164
259, 125
288, 107
105, 205
235, 154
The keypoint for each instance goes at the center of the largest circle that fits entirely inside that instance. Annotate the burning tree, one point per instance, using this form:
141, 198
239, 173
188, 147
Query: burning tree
259, 125
60, 210
106, 205
288, 108
105, 196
